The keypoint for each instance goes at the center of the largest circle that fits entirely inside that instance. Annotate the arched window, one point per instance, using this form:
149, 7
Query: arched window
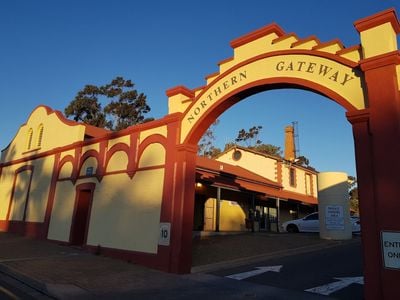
40, 136
29, 139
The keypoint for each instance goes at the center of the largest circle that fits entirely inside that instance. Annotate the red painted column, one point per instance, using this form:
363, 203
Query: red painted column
178, 202
183, 206
369, 223
384, 125
377, 138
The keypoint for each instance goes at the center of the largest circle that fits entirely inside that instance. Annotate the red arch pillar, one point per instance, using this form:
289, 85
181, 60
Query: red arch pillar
183, 190
377, 145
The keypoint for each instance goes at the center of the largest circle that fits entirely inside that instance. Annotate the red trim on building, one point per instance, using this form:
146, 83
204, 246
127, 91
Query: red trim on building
180, 90
306, 40
375, 20
284, 37
327, 44
256, 34
35, 230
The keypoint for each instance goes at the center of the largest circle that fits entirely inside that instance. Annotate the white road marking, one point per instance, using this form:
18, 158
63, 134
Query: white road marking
332, 287
257, 271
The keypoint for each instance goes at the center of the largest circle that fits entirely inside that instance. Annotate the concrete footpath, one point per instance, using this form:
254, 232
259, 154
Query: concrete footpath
52, 271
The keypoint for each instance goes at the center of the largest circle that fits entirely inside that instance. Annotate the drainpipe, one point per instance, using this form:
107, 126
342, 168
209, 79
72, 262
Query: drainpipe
217, 213
278, 217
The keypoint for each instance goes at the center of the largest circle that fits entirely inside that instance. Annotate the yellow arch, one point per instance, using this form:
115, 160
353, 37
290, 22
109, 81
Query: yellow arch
264, 59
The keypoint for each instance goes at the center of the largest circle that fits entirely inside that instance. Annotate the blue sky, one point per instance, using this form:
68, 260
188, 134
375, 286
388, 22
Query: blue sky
51, 49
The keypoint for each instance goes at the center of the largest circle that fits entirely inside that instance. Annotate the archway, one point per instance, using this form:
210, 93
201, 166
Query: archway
364, 80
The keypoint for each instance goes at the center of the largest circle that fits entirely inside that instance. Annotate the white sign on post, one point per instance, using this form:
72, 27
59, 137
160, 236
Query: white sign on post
165, 233
391, 249
334, 218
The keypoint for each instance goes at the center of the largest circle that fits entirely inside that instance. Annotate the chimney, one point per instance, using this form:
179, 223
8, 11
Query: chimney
290, 148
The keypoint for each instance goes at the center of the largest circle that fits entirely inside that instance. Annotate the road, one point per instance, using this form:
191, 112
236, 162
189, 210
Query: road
335, 272
12, 289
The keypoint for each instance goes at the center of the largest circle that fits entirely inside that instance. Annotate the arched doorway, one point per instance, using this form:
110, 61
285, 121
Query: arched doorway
363, 80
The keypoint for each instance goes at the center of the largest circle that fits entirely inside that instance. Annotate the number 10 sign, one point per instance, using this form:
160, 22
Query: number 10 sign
165, 232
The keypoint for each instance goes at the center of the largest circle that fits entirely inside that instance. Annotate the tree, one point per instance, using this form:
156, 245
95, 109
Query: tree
250, 137
303, 161
86, 107
205, 146
268, 149
250, 140
354, 202
353, 194
127, 106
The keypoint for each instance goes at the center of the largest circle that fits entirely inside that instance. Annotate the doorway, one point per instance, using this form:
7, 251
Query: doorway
80, 220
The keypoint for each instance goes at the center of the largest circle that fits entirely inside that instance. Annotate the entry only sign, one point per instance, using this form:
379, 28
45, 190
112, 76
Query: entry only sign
391, 249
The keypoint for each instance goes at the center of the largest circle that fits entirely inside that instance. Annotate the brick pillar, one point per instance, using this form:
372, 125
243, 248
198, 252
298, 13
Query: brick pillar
290, 148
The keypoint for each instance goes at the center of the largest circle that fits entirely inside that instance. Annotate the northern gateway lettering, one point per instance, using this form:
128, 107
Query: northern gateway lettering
317, 68
215, 92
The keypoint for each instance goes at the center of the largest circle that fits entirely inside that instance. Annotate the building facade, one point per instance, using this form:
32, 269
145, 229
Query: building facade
282, 190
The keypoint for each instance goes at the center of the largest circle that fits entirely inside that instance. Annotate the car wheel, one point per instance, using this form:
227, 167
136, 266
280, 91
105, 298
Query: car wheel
292, 228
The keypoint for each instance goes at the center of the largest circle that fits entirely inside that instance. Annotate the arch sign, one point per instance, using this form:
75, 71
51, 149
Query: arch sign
364, 79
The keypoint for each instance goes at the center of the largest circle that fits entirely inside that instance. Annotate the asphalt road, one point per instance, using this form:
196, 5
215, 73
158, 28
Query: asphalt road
335, 272
12, 289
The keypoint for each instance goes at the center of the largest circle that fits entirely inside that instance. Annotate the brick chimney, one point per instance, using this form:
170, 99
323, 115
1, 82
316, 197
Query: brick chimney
290, 148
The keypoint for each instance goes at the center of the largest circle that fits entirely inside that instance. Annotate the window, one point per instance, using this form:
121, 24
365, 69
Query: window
40, 136
292, 177
313, 216
236, 155
29, 139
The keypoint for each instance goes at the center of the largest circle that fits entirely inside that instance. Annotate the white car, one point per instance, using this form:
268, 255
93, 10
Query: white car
310, 223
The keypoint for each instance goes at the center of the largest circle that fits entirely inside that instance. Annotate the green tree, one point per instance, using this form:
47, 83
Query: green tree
302, 161
354, 201
268, 149
127, 106
86, 107
249, 138
353, 194
206, 146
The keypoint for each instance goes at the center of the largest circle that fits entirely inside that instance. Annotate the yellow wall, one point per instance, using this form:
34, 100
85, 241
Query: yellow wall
61, 215
126, 212
90, 162
259, 164
20, 194
6, 183
153, 155
55, 134
118, 162
159, 130
123, 139
267, 167
40, 188
232, 216
378, 40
